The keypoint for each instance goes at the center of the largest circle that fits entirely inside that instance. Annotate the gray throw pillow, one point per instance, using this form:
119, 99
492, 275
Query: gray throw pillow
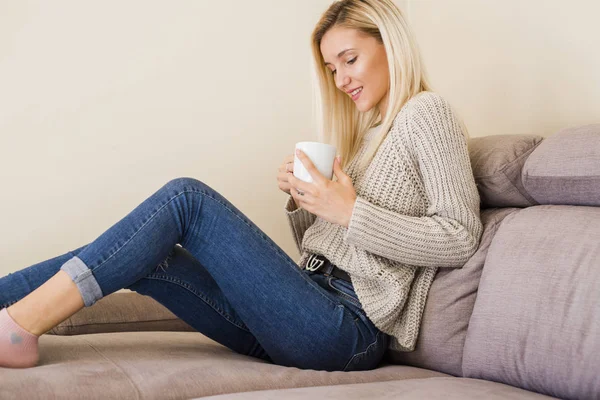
565, 168
497, 161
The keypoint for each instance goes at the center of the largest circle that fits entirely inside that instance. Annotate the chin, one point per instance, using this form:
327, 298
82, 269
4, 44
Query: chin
365, 107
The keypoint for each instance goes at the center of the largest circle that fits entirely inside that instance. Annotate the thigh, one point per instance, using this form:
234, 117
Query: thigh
184, 286
298, 322
373, 353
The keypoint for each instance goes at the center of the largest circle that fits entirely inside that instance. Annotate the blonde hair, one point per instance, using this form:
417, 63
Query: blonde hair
339, 122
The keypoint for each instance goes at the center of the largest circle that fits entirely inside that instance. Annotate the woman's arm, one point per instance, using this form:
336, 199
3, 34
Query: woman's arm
449, 233
299, 220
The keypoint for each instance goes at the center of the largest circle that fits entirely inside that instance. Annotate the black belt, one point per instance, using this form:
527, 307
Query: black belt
321, 265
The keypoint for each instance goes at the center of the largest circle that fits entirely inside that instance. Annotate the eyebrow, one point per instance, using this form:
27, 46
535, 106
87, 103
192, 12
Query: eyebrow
340, 54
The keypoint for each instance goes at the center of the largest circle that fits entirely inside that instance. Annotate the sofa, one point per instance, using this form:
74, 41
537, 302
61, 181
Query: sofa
520, 320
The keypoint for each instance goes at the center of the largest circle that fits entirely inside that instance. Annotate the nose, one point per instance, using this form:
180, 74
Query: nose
341, 80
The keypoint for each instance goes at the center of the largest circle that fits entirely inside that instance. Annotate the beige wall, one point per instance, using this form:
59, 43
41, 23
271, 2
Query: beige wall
101, 103
513, 66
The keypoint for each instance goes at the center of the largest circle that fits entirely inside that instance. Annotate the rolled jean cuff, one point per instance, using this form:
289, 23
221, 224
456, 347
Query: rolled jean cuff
84, 279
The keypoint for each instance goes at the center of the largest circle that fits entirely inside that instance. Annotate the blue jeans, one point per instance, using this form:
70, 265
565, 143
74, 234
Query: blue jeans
191, 250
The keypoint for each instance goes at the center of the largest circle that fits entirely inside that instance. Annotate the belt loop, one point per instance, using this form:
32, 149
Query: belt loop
328, 269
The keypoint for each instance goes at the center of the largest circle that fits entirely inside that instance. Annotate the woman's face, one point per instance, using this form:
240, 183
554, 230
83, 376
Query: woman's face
357, 61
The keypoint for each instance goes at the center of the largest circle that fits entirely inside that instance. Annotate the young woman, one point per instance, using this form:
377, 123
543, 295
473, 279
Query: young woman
403, 204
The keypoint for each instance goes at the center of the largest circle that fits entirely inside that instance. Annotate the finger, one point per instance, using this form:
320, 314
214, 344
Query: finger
283, 176
283, 168
310, 167
294, 194
287, 161
339, 172
286, 188
298, 195
304, 187
284, 184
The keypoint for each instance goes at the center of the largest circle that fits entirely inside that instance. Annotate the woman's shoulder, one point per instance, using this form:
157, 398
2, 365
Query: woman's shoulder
428, 101
423, 105
426, 108
427, 115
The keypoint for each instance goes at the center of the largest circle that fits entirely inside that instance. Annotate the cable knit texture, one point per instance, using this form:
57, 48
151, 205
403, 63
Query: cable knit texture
417, 210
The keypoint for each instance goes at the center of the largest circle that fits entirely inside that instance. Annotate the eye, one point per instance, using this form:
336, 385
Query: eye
352, 61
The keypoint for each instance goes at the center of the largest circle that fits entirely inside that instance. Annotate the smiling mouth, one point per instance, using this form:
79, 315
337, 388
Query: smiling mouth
355, 92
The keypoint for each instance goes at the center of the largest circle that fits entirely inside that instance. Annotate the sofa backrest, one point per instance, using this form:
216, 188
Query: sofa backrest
449, 307
536, 319
525, 310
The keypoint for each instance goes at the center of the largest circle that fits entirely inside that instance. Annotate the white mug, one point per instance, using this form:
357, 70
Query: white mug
322, 156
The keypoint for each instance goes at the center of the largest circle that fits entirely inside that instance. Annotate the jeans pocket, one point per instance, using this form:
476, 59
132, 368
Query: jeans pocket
371, 357
344, 289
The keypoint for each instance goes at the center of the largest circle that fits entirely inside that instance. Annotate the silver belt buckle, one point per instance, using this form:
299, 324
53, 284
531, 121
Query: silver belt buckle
314, 263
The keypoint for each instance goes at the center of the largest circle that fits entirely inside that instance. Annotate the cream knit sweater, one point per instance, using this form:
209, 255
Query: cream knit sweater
417, 210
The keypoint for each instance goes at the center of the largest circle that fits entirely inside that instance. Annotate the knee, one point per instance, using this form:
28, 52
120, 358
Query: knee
183, 184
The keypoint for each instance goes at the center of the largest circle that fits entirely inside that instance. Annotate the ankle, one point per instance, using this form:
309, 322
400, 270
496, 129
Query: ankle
23, 319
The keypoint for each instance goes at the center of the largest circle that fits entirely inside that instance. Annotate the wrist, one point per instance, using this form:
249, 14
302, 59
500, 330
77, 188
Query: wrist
296, 203
350, 211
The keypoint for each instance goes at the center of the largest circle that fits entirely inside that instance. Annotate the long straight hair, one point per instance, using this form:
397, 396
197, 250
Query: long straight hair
339, 122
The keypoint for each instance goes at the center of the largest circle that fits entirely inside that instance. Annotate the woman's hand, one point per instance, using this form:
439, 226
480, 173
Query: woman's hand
285, 170
332, 201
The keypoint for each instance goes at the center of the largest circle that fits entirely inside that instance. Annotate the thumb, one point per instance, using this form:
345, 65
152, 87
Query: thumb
337, 170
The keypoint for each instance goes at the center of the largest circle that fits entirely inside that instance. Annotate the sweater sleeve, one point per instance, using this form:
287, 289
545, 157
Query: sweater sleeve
299, 220
449, 232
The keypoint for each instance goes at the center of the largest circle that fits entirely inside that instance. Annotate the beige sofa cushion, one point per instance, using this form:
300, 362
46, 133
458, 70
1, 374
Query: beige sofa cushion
121, 312
565, 168
536, 320
409, 389
497, 161
449, 306
163, 365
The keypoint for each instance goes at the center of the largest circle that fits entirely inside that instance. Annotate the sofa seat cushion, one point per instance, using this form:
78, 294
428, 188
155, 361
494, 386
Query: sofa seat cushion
164, 365
417, 389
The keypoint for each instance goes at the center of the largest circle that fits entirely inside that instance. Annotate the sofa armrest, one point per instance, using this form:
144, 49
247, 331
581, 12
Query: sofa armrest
121, 312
